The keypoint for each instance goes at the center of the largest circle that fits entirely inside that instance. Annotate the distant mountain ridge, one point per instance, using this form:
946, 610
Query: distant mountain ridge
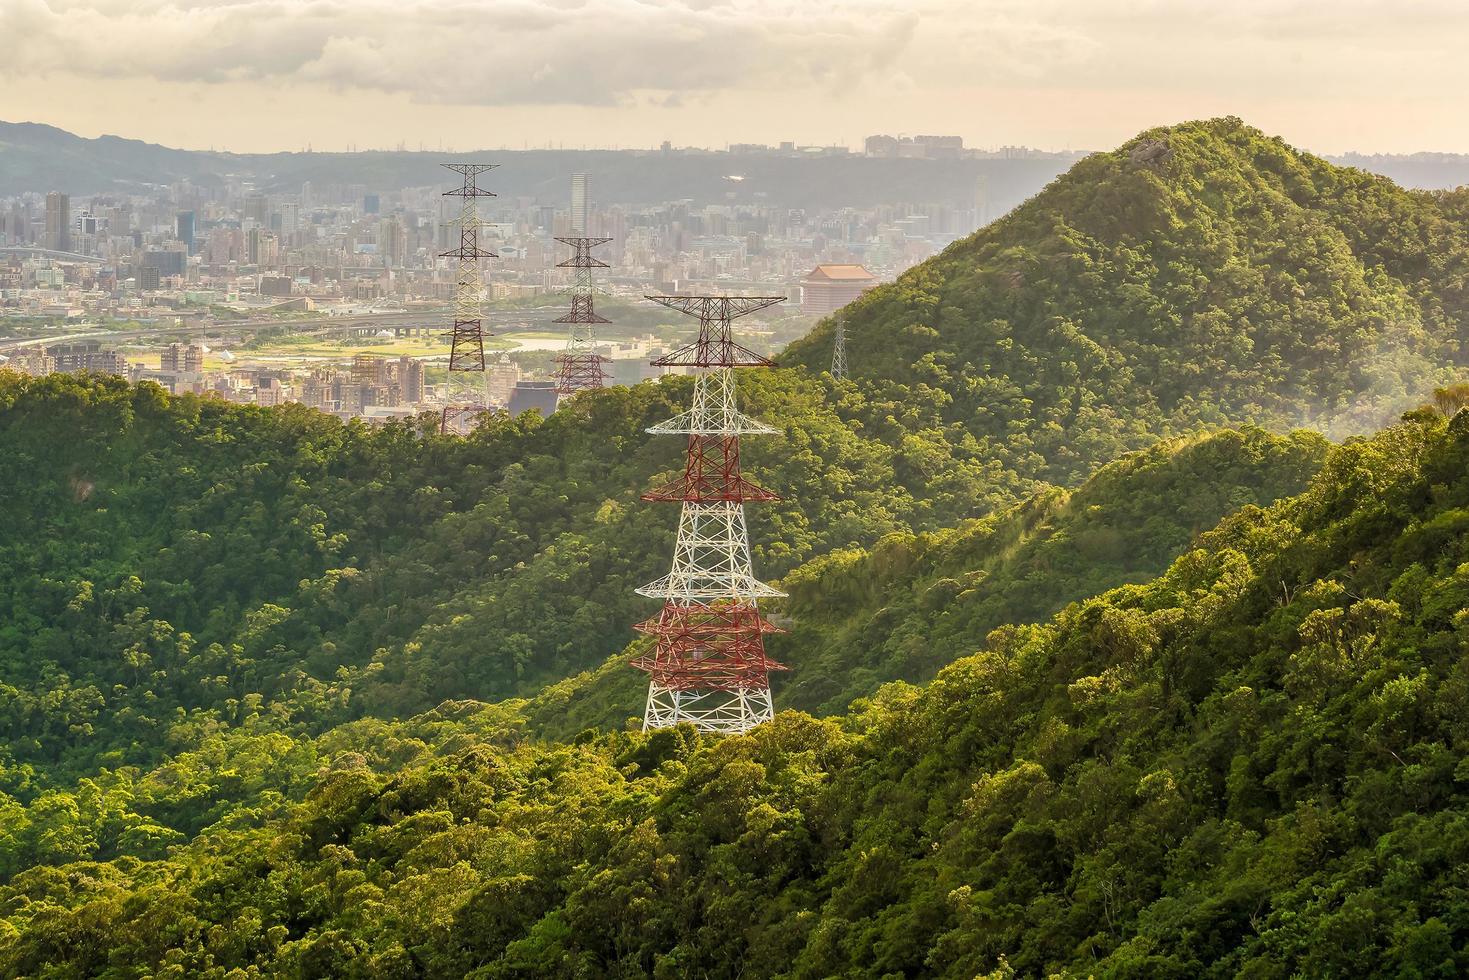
36, 158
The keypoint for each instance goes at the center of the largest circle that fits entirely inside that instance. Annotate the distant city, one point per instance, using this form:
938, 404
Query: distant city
319, 278
334, 294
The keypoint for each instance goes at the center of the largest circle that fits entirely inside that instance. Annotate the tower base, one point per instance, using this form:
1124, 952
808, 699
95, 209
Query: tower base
730, 712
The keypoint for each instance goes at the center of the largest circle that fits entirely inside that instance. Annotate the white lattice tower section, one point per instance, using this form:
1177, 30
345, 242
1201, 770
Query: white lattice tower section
729, 712
711, 560
714, 412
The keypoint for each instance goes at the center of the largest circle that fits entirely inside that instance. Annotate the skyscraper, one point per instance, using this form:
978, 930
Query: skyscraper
410, 380
185, 230
578, 204
58, 221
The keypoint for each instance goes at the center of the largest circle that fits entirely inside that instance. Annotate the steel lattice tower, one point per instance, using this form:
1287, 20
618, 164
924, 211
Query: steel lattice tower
579, 366
839, 350
466, 399
708, 665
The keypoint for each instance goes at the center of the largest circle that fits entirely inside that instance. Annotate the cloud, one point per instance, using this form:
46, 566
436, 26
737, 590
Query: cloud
507, 52
687, 52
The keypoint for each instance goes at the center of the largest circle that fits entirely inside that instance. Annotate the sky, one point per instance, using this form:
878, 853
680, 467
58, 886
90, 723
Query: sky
264, 75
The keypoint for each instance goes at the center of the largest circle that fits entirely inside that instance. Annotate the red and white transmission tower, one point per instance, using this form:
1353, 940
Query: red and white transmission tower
708, 665
465, 398
579, 366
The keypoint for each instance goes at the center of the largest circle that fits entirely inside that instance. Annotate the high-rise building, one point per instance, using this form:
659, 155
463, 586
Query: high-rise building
185, 231
87, 355
368, 369
290, 218
182, 359
392, 242
578, 204
533, 396
410, 380
256, 208
58, 221
269, 392
504, 374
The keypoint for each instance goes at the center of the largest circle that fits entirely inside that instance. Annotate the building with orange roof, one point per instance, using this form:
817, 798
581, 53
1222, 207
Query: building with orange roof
828, 288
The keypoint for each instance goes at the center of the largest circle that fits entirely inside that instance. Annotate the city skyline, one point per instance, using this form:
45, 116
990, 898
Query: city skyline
271, 75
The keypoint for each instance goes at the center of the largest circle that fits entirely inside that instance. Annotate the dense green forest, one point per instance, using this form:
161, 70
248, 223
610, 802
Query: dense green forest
1252, 765
857, 618
283, 695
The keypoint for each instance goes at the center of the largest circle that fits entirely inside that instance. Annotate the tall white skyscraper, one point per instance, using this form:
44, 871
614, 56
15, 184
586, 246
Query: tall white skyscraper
578, 204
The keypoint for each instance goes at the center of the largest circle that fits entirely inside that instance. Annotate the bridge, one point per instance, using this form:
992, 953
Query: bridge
52, 253
425, 323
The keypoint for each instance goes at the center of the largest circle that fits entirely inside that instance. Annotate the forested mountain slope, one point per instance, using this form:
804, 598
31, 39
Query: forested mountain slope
170, 561
214, 621
169, 555
858, 618
1200, 272
1250, 766
173, 560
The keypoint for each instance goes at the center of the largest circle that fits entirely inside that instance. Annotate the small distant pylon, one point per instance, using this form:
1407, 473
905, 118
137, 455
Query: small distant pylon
579, 366
465, 399
708, 665
839, 350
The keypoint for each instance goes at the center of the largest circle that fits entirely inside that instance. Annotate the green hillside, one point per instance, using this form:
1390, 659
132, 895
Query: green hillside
912, 604
1203, 272
286, 696
1250, 766
172, 561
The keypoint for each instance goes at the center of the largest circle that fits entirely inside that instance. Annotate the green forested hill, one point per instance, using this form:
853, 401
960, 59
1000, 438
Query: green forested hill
858, 618
1253, 766
172, 562
286, 695
1200, 272
177, 561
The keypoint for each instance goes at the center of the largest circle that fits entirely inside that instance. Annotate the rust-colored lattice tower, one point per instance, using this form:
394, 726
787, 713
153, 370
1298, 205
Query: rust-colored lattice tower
708, 664
467, 388
579, 366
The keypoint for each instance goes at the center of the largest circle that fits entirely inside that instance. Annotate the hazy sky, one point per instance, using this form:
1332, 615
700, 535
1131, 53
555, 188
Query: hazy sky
1328, 75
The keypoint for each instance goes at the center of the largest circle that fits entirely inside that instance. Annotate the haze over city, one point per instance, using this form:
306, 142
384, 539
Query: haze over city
268, 75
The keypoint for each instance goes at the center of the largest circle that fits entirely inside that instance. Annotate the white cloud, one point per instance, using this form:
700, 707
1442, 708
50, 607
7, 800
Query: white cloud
589, 52
1055, 72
